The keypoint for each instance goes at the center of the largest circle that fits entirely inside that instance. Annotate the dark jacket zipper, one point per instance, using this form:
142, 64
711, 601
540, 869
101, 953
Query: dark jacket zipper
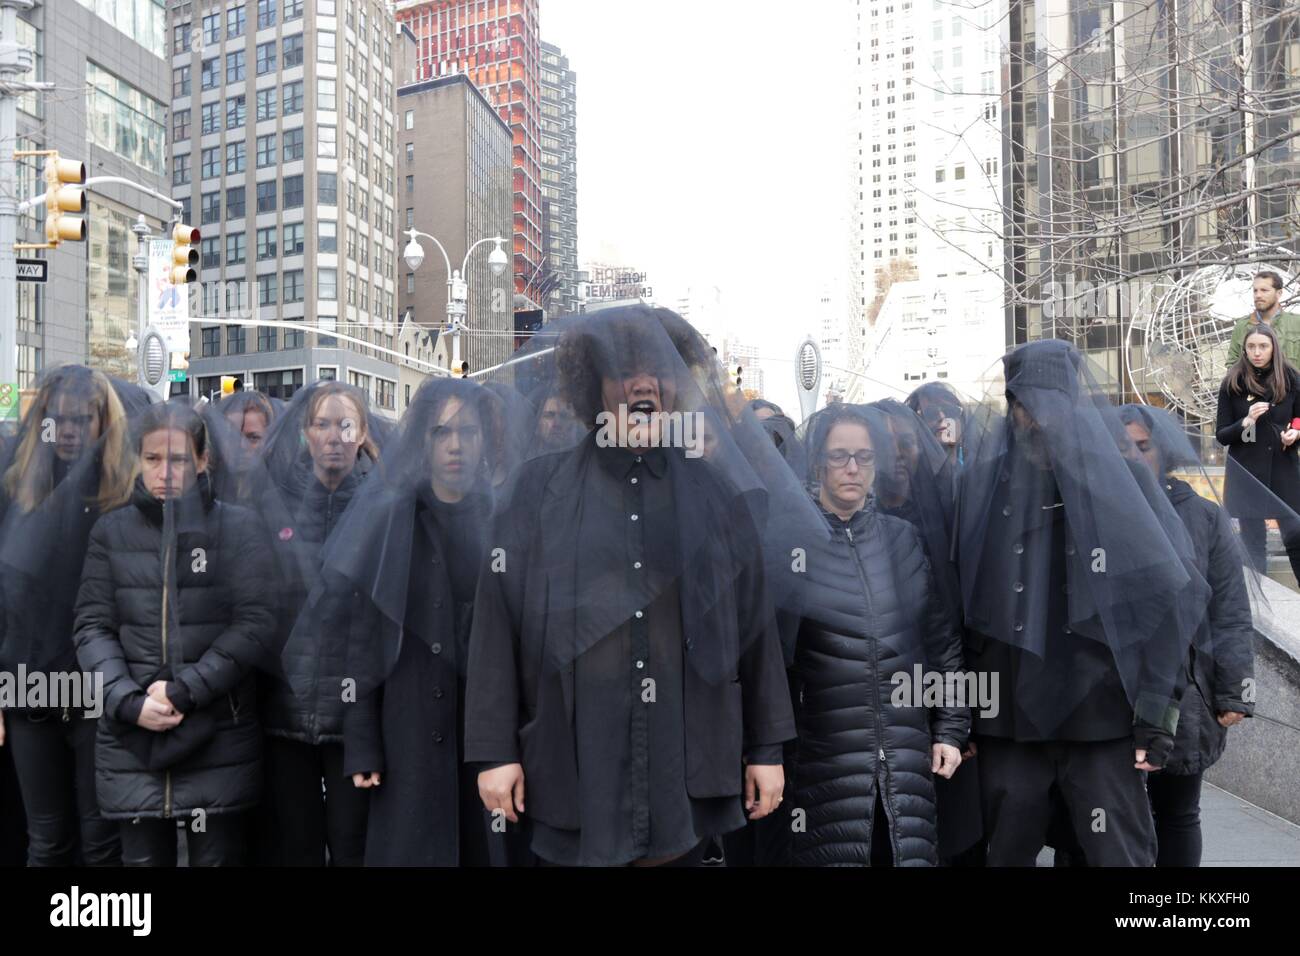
881, 765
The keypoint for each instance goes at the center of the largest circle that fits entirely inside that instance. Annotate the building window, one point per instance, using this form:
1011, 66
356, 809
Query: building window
293, 191
292, 9
292, 51
293, 97
266, 245
180, 169
180, 82
293, 338
125, 121
212, 29
267, 341
266, 196
235, 66
327, 237
292, 144
959, 171
266, 150
265, 13
410, 283
292, 289
327, 285
235, 248
410, 152
410, 217
235, 110
235, 202
211, 163
410, 185
325, 46
268, 293
180, 126
236, 157
211, 342
293, 240
410, 119
265, 58
385, 393
325, 99
236, 339
326, 142
327, 193
210, 253
938, 175
235, 20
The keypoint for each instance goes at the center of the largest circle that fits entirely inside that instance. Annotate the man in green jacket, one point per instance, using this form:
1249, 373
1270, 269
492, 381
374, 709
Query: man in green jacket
1268, 308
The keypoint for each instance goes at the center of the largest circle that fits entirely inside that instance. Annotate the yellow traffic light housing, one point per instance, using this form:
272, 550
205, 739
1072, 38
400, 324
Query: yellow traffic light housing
185, 254
227, 385
63, 194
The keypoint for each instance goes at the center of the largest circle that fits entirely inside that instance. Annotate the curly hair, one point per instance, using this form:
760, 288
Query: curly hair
618, 342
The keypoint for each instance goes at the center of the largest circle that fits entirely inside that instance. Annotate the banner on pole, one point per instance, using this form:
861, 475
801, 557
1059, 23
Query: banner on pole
169, 305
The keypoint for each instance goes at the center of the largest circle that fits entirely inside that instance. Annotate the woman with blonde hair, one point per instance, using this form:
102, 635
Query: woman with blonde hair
69, 464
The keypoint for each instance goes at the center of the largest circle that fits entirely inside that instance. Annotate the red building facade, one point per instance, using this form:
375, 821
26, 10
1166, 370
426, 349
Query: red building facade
496, 44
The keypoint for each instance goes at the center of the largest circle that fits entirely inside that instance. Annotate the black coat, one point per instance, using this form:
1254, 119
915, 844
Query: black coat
872, 612
225, 623
308, 705
520, 709
409, 730
1221, 659
1265, 459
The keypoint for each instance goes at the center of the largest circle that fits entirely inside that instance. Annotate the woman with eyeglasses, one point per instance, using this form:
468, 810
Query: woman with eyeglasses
869, 747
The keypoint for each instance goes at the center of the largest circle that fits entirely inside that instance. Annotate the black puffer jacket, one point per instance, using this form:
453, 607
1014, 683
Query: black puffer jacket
308, 705
225, 623
1217, 678
871, 612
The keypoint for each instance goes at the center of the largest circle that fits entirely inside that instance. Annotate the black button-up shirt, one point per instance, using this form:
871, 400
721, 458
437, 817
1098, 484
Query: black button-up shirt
629, 722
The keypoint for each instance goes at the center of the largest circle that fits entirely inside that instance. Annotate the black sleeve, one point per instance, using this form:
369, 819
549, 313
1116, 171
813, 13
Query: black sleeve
949, 724
1227, 428
1231, 629
96, 630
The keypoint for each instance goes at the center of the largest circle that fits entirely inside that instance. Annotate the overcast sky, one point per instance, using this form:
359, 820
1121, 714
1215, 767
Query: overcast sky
712, 150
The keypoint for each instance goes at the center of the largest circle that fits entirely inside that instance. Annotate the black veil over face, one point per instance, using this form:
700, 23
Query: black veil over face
642, 383
434, 479
68, 462
1050, 441
238, 427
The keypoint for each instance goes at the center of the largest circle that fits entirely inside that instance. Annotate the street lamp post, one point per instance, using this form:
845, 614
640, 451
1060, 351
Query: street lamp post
457, 287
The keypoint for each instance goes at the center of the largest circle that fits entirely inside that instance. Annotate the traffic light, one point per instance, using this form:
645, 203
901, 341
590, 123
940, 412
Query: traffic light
63, 194
462, 371
228, 385
739, 370
185, 254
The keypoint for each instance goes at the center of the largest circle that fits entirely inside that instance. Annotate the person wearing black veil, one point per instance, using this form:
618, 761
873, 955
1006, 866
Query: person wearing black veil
626, 690
919, 488
940, 407
554, 428
781, 429
874, 621
238, 426
173, 612
313, 466
413, 548
67, 465
1081, 595
1220, 666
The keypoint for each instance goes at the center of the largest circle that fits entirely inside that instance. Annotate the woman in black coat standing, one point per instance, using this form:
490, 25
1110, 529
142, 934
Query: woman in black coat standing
415, 546
68, 463
1259, 403
173, 612
1220, 666
314, 465
866, 757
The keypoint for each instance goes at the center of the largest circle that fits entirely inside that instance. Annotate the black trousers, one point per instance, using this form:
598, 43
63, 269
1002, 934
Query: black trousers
1254, 538
308, 807
152, 842
55, 761
1103, 795
13, 822
1176, 806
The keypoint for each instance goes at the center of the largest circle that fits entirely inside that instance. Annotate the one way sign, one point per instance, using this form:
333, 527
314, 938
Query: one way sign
33, 270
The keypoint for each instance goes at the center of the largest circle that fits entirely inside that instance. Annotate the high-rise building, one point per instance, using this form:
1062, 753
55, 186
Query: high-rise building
113, 54
559, 182
497, 45
283, 153
455, 184
1169, 144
